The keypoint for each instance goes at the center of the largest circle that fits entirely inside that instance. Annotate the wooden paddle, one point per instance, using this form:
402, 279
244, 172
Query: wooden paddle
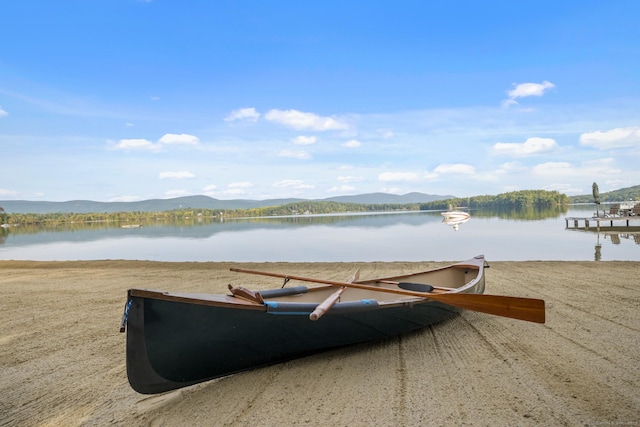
529, 309
325, 305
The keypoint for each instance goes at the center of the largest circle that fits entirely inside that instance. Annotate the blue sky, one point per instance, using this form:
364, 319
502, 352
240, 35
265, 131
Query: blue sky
123, 100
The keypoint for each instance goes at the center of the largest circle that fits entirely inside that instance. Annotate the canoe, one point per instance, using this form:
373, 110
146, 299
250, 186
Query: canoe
174, 339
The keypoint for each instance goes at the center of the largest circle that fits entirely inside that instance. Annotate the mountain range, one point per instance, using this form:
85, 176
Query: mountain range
200, 202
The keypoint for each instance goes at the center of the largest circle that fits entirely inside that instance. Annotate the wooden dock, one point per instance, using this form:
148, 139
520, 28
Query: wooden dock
608, 222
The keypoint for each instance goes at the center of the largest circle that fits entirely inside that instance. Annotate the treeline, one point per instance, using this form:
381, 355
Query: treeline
517, 199
298, 208
629, 193
514, 199
318, 208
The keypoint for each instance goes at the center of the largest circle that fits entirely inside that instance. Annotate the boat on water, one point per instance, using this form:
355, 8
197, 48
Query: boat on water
174, 340
455, 215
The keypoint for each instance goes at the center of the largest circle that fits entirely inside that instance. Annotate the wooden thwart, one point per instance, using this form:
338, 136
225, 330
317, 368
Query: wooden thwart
528, 309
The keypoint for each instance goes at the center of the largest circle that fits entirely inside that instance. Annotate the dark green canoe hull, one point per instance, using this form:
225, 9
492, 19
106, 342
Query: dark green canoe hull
174, 344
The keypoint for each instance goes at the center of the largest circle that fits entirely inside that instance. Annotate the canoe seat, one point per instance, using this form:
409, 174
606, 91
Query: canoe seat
415, 287
283, 292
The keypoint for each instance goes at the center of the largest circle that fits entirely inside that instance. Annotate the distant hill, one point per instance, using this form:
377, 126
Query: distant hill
198, 202
623, 194
384, 198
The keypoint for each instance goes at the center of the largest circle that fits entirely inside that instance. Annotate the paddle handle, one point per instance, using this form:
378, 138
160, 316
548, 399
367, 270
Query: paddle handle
326, 305
323, 307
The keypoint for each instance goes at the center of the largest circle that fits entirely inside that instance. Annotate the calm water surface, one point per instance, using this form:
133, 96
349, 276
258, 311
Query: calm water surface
415, 236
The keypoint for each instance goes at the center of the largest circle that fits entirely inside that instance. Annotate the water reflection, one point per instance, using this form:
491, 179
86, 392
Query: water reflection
207, 226
526, 213
454, 222
615, 238
204, 228
499, 234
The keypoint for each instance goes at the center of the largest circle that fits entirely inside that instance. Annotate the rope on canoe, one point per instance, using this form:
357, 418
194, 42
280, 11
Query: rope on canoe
125, 316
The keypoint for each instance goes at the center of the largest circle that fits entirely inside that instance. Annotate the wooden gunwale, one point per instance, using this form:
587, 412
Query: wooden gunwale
229, 301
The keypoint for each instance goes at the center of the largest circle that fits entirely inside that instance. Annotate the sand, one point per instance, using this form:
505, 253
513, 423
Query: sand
62, 359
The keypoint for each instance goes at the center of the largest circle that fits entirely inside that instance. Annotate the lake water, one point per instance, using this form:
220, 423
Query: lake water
412, 236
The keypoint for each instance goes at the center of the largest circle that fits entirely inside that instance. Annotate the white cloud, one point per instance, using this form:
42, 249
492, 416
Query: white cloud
304, 140
292, 183
499, 173
587, 170
530, 89
511, 167
3, 113
604, 165
179, 139
249, 114
562, 188
531, 147
457, 168
554, 169
350, 178
385, 133
524, 90
146, 145
234, 192
136, 144
244, 184
399, 176
393, 190
614, 138
5, 193
302, 155
176, 175
210, 188
354, 143
341, 189
300, 120
176, 193
155, 98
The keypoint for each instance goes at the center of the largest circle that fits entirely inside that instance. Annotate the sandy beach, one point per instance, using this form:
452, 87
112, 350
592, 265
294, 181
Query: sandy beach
62, 359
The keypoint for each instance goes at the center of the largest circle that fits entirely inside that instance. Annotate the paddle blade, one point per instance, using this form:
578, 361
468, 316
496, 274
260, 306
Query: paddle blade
529, 309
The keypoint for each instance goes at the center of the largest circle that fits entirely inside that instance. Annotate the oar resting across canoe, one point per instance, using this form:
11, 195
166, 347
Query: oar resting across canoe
528, 309
176, 339
326, 305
